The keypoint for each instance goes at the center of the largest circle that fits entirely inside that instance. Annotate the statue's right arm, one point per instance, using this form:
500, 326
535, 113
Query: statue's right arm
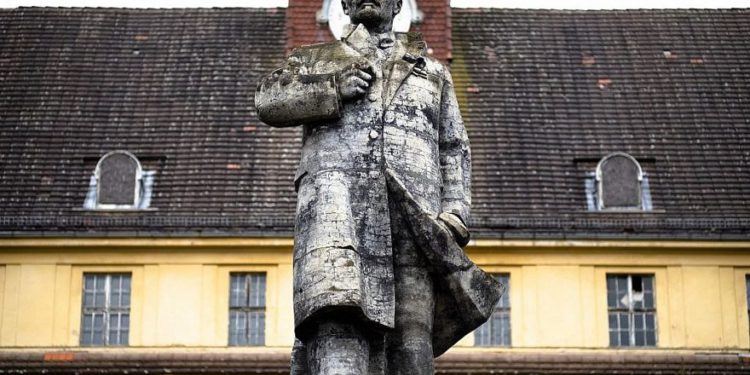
291, 96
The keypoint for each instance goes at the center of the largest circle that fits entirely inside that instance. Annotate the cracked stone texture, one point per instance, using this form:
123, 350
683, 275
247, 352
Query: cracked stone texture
404, 143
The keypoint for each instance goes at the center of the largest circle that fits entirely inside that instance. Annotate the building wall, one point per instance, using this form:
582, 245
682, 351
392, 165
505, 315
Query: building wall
558, 294
557, 289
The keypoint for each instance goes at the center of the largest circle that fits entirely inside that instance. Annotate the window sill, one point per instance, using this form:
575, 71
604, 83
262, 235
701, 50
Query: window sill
115, 210
624, 211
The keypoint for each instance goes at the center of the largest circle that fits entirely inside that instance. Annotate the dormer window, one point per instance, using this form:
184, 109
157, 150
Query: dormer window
119, 182
618, 184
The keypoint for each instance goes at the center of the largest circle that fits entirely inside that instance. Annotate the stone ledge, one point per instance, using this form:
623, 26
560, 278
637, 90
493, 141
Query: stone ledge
262, 361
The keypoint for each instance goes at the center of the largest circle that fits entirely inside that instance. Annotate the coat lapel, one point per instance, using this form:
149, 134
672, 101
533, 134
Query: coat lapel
408, 52
356, 38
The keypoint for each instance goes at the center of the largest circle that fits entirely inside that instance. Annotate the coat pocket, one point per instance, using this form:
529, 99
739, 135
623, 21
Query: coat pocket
324, 212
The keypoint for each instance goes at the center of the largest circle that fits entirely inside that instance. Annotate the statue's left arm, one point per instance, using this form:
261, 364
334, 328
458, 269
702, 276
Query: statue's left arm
455, 159
292, 96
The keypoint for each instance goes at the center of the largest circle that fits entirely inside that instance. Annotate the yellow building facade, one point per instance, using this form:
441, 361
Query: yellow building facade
180, 290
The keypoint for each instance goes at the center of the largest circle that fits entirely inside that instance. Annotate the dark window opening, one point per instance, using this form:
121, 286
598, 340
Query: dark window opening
637, 284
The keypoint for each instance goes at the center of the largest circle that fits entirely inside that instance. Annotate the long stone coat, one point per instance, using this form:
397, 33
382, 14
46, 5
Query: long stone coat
408, 125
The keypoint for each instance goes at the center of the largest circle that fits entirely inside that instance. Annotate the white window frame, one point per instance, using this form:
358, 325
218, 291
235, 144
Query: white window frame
107, 309
631, 311
248, 309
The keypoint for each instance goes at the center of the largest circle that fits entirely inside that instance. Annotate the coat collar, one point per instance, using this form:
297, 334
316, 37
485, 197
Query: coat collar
408, 51
357, 37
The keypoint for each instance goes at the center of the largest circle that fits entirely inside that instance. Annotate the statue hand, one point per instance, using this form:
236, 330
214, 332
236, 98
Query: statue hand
457, 227
354, 81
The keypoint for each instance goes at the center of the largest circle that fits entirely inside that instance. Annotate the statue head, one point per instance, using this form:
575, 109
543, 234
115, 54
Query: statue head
375, 15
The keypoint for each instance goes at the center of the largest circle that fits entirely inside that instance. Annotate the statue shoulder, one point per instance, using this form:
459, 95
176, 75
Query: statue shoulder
437, 68
417, 49
313, 50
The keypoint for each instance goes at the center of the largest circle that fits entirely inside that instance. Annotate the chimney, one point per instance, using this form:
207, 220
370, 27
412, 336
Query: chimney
303, 28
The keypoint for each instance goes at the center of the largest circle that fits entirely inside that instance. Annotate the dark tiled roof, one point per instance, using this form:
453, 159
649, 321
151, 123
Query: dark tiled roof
174, 87
545, 94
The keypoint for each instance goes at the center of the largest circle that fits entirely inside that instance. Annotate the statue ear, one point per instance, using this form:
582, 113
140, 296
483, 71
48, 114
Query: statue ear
397, 7
345, 7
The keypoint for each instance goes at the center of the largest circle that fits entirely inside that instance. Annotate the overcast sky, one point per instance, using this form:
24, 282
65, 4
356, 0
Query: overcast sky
558, 4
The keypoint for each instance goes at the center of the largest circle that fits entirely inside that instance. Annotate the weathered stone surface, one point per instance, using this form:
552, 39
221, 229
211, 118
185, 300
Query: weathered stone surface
381, 284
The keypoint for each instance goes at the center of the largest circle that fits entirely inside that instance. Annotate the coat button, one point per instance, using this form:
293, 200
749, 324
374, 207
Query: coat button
389, 117
372, 98
374, 134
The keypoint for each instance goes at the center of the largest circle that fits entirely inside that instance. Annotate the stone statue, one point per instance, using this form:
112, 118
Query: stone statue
381, 284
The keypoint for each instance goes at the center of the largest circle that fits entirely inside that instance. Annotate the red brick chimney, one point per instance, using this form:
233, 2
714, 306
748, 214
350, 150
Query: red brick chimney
303, 27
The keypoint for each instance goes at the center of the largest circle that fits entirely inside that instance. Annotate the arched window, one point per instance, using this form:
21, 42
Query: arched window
119, 182
619, 178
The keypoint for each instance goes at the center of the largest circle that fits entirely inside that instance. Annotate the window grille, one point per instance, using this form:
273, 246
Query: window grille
632, 310
247, 309
496, 331
105, 318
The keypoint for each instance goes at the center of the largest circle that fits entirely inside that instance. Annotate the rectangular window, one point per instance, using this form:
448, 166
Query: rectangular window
632, 310
247, 308
496, 331
105, 316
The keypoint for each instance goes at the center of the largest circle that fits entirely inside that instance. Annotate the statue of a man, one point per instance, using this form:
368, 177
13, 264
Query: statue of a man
382, 135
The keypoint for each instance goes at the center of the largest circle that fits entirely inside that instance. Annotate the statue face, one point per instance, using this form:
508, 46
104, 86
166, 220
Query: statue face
377, 14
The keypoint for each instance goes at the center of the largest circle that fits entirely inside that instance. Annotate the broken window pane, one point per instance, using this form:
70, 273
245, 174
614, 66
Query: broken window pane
105, 314
637, 283
632, 319
496, 331
247, 308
